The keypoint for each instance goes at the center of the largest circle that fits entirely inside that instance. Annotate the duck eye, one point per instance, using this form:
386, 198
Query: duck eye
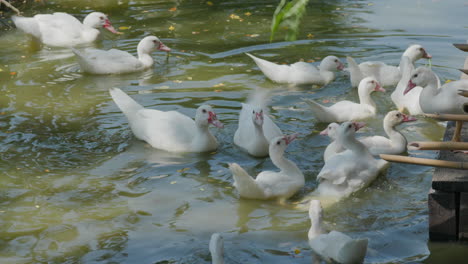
421, 49
253, 111
101, 17
398, 115
155, 41
336, 60
203, 111
349, 126
278, 142
415, 76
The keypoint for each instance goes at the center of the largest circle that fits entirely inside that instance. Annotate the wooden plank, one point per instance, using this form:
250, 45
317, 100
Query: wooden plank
463, 218
443, 222
451, 180
463, 47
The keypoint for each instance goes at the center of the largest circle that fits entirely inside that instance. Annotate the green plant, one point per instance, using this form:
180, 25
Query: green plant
288, 15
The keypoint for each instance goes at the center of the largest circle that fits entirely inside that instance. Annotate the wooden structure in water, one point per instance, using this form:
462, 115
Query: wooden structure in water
448, 197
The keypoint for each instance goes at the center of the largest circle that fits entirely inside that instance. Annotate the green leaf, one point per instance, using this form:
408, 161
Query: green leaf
288, 14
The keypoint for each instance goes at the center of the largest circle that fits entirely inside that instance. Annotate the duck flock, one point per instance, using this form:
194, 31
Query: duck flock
350, 163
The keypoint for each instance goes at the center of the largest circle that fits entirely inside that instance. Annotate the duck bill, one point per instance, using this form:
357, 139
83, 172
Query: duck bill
358, 125
259, 118
379, 88
163, 47
426, 55
324, 132
108, 26
410, 86
290, 138
407, 118
212, 119
340, 66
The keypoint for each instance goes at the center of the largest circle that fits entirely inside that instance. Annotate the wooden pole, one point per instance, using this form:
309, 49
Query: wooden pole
463, 92
435, 145
463, 47
448, 117
10, 6
425, 162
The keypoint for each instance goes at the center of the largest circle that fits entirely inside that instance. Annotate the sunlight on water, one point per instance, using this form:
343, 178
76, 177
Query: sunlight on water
78, 187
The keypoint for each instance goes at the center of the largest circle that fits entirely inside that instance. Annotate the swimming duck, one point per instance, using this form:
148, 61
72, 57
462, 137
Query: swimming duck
255, 130
64, 30
443, 100
347, 110
396, 142
300, 72
334, 246
386, 75
170, 131
350, 170
335, 147
270, 184
115, 61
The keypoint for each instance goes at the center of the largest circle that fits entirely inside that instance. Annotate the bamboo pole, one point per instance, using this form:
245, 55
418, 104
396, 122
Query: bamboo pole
436, 145
448, 117
463, 92
465, 71
10, 6
463, 47
426, 162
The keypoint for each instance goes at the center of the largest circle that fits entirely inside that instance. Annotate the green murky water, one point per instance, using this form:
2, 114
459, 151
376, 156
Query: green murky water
77, 187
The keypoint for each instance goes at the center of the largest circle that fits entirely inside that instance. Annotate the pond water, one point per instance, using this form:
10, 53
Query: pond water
77, 187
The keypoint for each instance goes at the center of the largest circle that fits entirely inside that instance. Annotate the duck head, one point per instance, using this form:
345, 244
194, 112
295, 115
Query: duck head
395, 118
97, 20
151, 43
205, 116
369, 85
331, 63
416, 52
420, 76
330, 131
279, 144
257, 116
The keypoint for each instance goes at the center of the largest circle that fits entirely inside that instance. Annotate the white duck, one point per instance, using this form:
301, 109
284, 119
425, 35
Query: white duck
396, 142
387, 75
270, 184
300, 72
408, 102
63, 30
347, 110
350, 170
335, 147
217, 249
255, 131
334, 246
115, 61
443, 100
170, 131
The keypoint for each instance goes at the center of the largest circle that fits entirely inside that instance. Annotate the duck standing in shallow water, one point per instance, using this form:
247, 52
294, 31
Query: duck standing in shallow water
170, 131
64, 30
271, 184
347, 110
386, 75
333, 246
115, 61
217, 249
396, 142
300, 72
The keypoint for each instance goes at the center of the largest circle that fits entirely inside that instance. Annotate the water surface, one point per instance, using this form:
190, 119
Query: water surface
77, 187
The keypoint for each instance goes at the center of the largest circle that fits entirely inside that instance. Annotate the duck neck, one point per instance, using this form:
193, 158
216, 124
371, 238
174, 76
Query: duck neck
89, 34
394, 135
429, 93
145, 59
284, 164
203, 139
217, 258
365, 98
315, 226
327, 75
354, 145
